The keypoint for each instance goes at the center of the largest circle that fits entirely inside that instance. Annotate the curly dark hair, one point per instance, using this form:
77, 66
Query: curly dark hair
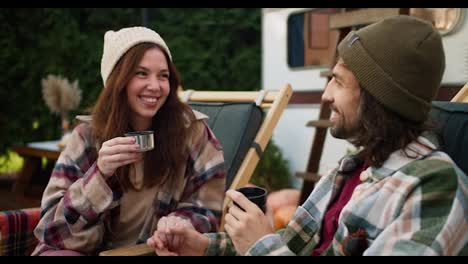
381, 131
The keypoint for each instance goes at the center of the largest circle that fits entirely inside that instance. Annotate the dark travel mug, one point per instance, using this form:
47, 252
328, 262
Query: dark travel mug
256, 195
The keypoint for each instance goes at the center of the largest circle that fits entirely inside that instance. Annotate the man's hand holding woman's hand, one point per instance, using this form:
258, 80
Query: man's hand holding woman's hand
176, 236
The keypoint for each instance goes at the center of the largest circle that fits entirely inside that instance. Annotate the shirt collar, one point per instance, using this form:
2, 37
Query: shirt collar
398, 159
395, 161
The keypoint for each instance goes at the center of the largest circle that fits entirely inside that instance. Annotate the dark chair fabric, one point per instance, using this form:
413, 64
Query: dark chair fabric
235, 125
451, 120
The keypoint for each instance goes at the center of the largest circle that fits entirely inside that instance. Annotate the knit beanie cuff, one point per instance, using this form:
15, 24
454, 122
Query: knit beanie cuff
378, 83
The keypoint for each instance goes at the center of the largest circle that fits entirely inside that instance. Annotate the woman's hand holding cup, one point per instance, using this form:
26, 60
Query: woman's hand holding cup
115, 153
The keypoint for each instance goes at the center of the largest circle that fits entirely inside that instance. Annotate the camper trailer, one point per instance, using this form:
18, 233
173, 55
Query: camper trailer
298, 46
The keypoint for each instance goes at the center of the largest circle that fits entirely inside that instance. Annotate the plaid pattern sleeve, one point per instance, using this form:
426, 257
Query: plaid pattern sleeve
270, 245
202, 197
74, 199
16, 231
219, 244
432, 220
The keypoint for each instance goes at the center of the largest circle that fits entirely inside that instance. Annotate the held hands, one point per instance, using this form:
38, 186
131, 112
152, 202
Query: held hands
115, 153
176, 236
245, 227
163, 230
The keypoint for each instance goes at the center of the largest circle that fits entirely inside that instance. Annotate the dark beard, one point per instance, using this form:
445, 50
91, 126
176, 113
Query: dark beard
341, 132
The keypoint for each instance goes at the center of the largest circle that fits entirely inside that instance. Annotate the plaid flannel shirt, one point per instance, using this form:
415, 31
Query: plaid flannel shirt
78, 205
409, 206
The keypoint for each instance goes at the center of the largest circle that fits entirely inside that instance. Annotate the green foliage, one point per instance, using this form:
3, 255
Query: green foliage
213, 49
13, 165
272, 171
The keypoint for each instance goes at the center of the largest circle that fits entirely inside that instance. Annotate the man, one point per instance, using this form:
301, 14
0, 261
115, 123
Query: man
397, 195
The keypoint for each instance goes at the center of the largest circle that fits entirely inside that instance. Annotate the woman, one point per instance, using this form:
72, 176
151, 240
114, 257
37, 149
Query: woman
103, 192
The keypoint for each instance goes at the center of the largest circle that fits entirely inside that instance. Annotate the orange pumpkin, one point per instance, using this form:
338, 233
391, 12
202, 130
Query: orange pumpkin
283, 215
282, 198
281, 206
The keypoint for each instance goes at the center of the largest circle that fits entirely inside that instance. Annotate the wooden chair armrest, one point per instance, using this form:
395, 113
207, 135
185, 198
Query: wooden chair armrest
462, 95
133, 250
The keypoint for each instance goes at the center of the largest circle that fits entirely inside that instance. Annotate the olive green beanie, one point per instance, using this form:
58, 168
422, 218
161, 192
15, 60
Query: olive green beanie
399, 61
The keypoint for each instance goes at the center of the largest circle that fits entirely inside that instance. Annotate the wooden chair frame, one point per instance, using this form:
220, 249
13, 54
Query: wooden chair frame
462, 95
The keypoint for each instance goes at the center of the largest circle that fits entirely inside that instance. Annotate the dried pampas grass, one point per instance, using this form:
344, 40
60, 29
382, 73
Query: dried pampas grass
59, 94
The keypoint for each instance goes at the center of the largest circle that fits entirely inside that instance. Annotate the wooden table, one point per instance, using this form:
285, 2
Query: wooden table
32, 167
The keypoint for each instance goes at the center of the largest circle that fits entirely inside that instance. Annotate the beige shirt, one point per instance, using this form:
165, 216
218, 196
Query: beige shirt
137, 204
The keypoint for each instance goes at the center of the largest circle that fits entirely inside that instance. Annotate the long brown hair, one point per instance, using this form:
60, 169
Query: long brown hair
381, 132
111, 118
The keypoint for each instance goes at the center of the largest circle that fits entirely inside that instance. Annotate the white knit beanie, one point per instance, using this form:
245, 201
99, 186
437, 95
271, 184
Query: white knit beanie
116, 43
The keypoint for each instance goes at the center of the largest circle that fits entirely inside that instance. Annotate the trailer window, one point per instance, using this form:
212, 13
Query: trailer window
310, 40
